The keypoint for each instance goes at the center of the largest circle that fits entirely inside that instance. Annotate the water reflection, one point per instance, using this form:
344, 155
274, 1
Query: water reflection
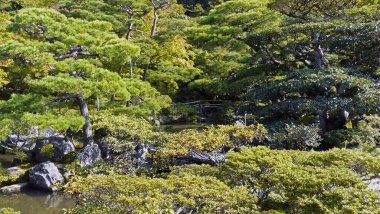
37, 202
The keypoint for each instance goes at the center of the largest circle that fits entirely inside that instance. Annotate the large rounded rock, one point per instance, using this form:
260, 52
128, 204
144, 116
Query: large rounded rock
53, 148
45, 176
89, 155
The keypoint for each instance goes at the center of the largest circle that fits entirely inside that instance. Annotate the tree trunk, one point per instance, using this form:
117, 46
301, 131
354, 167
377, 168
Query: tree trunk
130, 69
154, 25
130, 28
87, 131
323, 121
318, 52
145, 76
97, 103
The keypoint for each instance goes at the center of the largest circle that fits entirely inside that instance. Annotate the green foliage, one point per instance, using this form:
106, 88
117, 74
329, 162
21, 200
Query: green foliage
8, 211
6, 179
213, 139
198, 170
305, 182
143, 195
21, 156
306, 93
110, 66
366, 133
298, 137
47, 150
347, 138
317, 10
125, 128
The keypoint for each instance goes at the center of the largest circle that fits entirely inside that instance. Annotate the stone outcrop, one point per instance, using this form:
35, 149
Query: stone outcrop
89, 155
14, 188
53, 148
46, 176
15, 171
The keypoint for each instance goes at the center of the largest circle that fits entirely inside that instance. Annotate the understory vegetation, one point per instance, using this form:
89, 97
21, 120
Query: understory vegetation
202, 106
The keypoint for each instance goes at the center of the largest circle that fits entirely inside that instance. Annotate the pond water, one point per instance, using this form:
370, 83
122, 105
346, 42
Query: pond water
36, 202
32, 201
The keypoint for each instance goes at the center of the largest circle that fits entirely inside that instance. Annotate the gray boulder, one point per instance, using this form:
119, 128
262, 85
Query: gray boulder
14, 188
141, 156
374, 184
14, 171
89, 155
45, 176
49, 132
195, 157
24, 143
53, 148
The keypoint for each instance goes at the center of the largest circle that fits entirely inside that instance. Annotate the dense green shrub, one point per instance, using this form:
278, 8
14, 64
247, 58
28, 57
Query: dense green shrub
127, 129
305, 182
214, 139
299, 137
8, 211
347, 138
47, 150
189, 194
252, 180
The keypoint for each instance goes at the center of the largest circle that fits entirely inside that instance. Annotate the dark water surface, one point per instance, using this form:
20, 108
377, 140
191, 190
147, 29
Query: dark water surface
36, 202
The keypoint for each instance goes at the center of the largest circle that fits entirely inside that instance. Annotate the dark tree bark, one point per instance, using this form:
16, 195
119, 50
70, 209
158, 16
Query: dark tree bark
145, 75
87, 131
154, 25
323, 121
318, 52
157, 5
130, 29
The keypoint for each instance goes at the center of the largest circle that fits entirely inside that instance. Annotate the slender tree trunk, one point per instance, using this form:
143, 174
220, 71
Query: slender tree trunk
145, 76
87, 131
129, 37
154, 25
323, 121
318, 52
98, 103
130, 68
130, 28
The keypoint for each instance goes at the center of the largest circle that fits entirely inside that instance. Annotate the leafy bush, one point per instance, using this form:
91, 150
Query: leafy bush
199, 170
22, 156
213, 139
189, 194
347, 138
6, 179
299, 137
8, 211
126, 128
47, 150
305, 182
